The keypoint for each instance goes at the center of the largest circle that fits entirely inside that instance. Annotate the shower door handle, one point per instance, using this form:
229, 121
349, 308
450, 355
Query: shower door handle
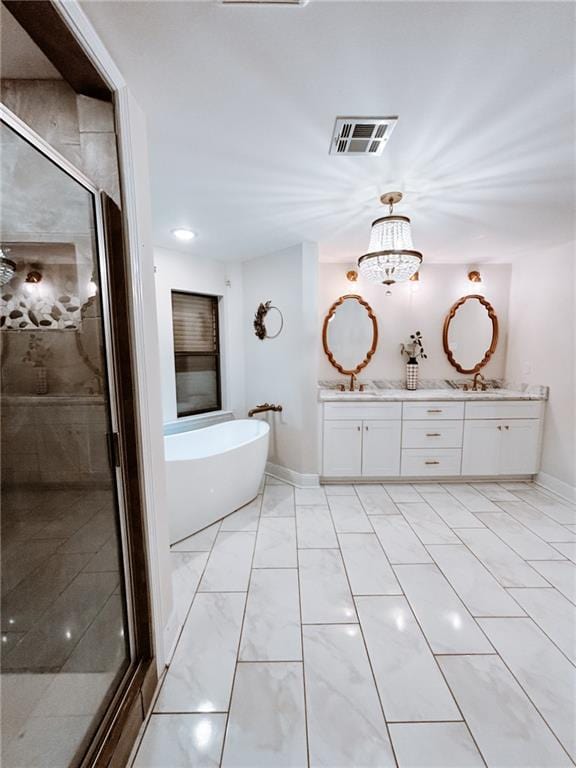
113, 442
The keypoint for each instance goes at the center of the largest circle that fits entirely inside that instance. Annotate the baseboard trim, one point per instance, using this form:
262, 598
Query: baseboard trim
290, 476
559, 487
418, 479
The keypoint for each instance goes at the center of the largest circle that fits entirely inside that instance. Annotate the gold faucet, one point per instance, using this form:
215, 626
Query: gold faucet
352, 387
264, 407
475, 386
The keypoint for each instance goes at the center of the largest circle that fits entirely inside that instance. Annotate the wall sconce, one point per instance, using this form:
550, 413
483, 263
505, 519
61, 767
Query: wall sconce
474, 276
415, 277
414, 282
352, 276
33, 277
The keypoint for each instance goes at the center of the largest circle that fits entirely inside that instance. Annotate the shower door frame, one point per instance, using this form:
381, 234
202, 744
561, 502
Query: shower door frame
138, 682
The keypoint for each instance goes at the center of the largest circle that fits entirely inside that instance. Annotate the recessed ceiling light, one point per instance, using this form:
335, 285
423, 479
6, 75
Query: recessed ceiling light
184, 234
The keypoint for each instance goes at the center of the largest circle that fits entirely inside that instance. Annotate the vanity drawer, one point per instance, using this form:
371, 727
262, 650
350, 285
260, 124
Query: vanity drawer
362, 411
433, 411
427, 463
422, 434
507, 409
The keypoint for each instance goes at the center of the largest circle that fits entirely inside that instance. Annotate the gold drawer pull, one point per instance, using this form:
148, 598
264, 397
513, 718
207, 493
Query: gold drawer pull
431, 462
433, 434
434, 410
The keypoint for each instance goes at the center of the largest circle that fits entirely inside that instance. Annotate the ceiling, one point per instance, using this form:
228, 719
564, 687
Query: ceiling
241, 103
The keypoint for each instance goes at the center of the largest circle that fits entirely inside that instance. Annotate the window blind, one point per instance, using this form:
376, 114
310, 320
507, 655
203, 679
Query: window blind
194, 322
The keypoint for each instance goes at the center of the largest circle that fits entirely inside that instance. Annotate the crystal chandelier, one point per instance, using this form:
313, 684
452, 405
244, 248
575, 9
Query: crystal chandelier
391, 257
7, 268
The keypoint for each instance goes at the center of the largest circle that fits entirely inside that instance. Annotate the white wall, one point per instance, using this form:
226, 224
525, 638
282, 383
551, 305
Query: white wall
189, 272
407, 310
541, 351
284, 370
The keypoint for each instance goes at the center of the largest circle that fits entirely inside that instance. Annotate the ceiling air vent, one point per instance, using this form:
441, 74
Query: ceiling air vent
361, 135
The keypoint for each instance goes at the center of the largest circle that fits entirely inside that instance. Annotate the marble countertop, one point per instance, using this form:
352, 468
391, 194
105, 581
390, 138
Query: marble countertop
389, 391
392, 395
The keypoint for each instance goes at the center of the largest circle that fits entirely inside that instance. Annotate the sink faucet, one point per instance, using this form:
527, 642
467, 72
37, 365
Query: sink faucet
477, 377
352, 387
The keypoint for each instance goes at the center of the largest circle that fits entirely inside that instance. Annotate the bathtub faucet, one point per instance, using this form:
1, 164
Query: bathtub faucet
264, 407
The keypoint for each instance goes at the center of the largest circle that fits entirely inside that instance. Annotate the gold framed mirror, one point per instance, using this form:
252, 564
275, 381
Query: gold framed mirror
350, 334
470, 333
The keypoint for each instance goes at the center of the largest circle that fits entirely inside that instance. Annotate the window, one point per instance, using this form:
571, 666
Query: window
196, 353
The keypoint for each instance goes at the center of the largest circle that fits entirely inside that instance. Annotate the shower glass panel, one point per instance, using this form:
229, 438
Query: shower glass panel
65, 630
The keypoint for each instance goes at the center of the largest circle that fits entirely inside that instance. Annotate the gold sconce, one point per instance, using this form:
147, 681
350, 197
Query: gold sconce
352, 275
33, 277
415, 278
474, 276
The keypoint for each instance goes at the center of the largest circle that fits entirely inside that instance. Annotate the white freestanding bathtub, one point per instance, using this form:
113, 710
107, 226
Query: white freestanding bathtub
212, 471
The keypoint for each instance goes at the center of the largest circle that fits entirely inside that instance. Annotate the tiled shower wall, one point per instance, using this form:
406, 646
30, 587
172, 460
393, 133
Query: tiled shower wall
80, 128
54, 441
59, 438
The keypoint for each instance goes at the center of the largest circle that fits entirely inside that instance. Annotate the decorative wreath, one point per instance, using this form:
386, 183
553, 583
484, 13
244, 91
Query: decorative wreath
260, 316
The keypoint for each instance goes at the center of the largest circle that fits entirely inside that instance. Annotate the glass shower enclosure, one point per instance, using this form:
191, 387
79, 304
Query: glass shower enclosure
66, 613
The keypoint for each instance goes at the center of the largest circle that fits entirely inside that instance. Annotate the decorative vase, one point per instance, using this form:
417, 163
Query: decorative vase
412, 373
41, 381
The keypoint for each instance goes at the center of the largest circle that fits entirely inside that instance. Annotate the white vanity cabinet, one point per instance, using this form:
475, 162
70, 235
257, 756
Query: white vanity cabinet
381, 448
502, 438
342, 448
362, 440
420, 439
431, 439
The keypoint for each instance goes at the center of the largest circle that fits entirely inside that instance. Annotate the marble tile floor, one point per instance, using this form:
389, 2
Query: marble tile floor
62, 639
420, 626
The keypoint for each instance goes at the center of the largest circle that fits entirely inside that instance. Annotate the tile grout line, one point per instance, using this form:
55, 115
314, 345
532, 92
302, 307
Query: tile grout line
307, 734
239, 646
394, 756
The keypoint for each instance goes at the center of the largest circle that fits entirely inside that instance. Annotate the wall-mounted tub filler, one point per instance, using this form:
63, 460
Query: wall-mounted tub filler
263, 408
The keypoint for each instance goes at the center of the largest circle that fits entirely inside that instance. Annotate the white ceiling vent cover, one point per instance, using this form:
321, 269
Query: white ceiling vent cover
361, 135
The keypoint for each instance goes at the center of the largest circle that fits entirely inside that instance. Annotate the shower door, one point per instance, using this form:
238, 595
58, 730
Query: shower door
68, 632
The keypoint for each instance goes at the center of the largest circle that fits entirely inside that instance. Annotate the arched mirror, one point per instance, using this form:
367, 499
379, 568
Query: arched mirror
470, 333
350, 334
